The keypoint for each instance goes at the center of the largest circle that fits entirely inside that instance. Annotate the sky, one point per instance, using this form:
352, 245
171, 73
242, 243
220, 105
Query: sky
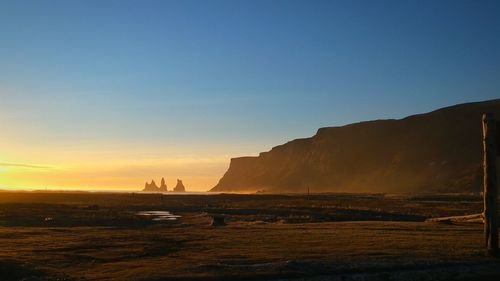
105, 95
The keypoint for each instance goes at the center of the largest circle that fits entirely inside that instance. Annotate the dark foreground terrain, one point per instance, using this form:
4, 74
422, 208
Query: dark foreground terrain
103, 236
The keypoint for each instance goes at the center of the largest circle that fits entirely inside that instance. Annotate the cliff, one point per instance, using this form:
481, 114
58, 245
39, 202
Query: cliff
440, 151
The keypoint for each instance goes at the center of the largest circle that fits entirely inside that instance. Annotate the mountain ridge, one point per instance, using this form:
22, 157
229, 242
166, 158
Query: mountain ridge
437, 151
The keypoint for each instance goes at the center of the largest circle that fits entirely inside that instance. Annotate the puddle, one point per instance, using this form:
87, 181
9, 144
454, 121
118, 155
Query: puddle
159, 215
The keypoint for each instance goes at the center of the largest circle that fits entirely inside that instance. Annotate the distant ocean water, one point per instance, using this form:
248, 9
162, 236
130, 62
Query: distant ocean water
145, 192
177, 193
109, 191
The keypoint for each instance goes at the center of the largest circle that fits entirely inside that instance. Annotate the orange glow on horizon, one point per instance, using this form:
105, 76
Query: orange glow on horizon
103, 168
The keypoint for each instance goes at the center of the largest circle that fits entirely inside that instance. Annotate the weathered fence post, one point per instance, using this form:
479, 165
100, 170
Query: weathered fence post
490, 192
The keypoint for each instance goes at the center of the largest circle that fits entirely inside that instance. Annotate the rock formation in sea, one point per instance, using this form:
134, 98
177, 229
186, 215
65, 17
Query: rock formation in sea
439, 151
179, 187
151, 187
163, 186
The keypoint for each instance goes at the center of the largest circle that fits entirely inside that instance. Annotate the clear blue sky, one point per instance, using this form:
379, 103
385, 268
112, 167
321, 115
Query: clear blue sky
235, 77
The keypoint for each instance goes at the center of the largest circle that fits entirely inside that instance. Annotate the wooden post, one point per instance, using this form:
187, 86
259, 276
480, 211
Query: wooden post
490, 192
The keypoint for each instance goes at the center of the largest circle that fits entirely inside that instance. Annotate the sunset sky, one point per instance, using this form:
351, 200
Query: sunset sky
108, 94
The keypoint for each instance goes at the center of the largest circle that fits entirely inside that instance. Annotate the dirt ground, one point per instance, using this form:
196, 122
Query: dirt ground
96, 236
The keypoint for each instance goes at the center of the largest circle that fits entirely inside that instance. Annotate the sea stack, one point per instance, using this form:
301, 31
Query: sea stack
163, 186
179, 187
151, 187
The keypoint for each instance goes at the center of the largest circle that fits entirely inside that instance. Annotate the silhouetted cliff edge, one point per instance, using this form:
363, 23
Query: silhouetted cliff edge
439, 151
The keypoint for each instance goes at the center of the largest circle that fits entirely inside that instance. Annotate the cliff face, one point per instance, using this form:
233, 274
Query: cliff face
440, 151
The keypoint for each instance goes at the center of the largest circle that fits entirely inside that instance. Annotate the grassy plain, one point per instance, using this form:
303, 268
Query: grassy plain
98, 236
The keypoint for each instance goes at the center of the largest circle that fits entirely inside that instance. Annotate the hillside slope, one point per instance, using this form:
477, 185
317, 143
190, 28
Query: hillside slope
440, 151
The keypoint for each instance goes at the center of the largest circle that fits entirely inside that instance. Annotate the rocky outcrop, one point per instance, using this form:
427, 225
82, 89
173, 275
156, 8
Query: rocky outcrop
151, 187
163, 186
179, 187
440, 151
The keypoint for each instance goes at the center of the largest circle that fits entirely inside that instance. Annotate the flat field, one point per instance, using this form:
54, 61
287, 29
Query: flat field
102, 236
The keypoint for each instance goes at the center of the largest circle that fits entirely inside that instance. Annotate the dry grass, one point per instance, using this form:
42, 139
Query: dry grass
83, 245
